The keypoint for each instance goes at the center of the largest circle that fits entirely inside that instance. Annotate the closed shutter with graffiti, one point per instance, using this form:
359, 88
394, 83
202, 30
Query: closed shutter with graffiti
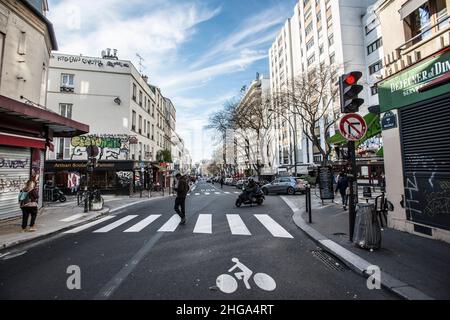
425, 130
15, 164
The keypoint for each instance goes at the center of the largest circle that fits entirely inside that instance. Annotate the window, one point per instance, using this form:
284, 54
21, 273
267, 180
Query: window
321, 49
330, 39
145, 127
134, 92
417, 24
441, 14
371, 26
310, 44
2, 43
140, 98
374, 46
67, 82
311, 60
63, 148
133, 121
374, 90
65, 110
309, 28
308, 13
153, 132
377, 66
332, 58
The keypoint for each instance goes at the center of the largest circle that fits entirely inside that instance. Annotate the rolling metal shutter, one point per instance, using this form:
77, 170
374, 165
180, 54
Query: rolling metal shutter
425, 130
15, 171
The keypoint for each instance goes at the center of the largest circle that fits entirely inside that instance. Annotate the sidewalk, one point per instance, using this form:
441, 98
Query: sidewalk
58, 217
412, 266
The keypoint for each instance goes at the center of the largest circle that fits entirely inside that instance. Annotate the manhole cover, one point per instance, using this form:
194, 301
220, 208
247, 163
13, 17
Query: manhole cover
328, 260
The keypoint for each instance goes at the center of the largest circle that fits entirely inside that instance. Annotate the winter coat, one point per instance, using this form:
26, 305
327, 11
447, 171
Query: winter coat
182, 188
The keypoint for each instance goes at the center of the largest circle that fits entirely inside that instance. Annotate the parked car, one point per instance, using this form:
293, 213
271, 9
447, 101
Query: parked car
288, 185
240, 184
228, 181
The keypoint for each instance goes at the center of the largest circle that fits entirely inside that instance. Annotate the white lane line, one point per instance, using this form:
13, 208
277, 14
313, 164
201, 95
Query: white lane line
88, 225
142, 224
204, 224
237, 226
274, 228
115, 224
226, 192
236, 192
171, 225
72, 218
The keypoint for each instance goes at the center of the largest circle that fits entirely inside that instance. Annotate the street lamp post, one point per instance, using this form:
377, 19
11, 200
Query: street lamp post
295, 139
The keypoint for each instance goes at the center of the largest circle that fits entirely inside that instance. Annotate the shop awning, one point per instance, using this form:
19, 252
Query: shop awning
374, 129
409, 7
16, 114
160, 168
380, 153
21, 141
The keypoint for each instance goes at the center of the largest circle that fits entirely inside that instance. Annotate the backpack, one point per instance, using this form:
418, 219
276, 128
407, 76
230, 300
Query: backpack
24, 198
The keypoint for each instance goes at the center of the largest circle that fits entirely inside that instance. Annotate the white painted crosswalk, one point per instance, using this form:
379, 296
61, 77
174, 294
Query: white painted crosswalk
202, 224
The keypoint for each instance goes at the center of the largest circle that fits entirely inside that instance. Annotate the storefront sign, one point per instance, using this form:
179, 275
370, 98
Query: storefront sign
82, 165
403, 89
389, 121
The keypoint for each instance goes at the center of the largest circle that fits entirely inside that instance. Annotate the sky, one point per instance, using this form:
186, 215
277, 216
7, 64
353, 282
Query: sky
199, 52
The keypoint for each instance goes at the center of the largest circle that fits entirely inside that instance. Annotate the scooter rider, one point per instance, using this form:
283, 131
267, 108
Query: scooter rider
250, 189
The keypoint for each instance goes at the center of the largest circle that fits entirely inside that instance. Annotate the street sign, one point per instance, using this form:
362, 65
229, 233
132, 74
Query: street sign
353, 127
389, 121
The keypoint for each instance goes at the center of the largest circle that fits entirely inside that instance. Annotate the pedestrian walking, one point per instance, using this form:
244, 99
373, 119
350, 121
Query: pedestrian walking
182, 189
28, 200
342, 186
221, 182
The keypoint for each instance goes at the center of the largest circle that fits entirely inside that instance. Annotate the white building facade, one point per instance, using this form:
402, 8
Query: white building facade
321, 32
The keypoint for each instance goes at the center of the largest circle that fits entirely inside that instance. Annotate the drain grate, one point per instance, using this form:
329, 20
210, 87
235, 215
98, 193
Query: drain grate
328, 260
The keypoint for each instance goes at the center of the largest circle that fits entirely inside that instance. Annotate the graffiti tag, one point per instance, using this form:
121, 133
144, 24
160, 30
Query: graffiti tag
13, 164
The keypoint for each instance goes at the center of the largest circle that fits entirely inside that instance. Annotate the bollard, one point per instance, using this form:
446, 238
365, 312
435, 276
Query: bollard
308, 203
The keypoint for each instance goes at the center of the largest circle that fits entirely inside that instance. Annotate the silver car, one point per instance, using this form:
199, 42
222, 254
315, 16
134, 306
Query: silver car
288, 185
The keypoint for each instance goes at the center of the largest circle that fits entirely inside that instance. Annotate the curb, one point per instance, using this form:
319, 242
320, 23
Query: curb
100, 214
353, 261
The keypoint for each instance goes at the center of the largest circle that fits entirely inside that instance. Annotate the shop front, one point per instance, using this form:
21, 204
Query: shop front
110, 177
415, 106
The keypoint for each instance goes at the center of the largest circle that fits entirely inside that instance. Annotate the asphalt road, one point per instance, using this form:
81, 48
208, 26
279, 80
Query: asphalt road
184, 263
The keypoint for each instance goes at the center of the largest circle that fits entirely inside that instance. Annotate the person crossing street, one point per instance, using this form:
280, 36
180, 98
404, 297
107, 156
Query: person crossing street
182, 189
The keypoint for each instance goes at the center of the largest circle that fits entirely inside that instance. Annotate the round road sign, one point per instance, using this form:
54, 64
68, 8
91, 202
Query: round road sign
353, 127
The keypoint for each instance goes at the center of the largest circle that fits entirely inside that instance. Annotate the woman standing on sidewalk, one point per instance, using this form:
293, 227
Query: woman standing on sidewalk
28, 199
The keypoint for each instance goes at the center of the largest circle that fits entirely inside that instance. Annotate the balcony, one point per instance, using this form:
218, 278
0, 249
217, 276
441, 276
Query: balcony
67, 89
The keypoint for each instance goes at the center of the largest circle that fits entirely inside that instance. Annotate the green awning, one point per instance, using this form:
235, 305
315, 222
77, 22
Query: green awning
380, 153
160, 168
374, 129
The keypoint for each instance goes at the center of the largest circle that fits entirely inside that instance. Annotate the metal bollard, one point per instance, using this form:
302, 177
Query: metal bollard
308, 203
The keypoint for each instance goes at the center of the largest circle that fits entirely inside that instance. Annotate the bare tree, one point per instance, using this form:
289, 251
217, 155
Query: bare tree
310, 97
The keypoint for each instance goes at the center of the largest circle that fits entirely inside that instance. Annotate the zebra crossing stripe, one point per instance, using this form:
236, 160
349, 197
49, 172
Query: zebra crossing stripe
171, 225
197, 194
217, 192
141, 225
115, 224
274, 228
227, 192
204, 224
207, 193
72, 218
237, 226
88, 225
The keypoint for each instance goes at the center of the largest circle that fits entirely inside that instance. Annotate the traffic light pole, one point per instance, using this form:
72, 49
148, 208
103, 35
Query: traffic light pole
352, 179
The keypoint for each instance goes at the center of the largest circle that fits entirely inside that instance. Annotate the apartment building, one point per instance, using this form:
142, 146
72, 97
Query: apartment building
125, 113
27, 127
414, 99
321, 32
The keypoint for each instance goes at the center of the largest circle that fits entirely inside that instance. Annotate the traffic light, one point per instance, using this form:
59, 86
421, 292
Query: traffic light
349, 90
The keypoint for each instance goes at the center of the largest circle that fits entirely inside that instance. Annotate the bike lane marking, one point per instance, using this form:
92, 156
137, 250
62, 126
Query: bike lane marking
144, 223
89, 225
171, 225
274, 228
115, 224
204, 224
237, 226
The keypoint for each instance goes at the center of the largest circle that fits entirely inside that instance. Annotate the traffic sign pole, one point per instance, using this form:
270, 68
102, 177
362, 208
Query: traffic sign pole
353, 178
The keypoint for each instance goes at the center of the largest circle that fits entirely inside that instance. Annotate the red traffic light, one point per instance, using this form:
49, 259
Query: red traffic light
350, 80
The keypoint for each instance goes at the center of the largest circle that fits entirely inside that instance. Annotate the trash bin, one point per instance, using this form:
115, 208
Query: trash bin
367, 233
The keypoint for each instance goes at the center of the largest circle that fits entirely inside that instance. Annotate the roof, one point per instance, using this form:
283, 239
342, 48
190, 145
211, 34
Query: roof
61, 126
39, 14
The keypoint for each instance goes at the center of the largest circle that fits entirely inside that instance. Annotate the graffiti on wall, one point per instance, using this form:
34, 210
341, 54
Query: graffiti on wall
13, 163
115, 147
91, 61
12, 184
125, 178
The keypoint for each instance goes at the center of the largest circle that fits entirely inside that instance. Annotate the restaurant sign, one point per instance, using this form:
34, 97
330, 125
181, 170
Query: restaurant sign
403, 89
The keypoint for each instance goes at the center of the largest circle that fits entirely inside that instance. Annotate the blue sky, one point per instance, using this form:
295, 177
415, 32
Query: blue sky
199, 52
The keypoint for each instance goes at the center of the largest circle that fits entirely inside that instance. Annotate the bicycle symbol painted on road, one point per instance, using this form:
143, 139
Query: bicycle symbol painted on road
228, 284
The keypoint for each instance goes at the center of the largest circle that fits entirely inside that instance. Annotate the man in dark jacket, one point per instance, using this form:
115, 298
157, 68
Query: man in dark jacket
342, 185
182, 189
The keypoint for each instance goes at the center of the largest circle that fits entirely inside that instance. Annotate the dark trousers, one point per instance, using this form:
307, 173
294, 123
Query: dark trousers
344, 198
26, 212
180, 203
